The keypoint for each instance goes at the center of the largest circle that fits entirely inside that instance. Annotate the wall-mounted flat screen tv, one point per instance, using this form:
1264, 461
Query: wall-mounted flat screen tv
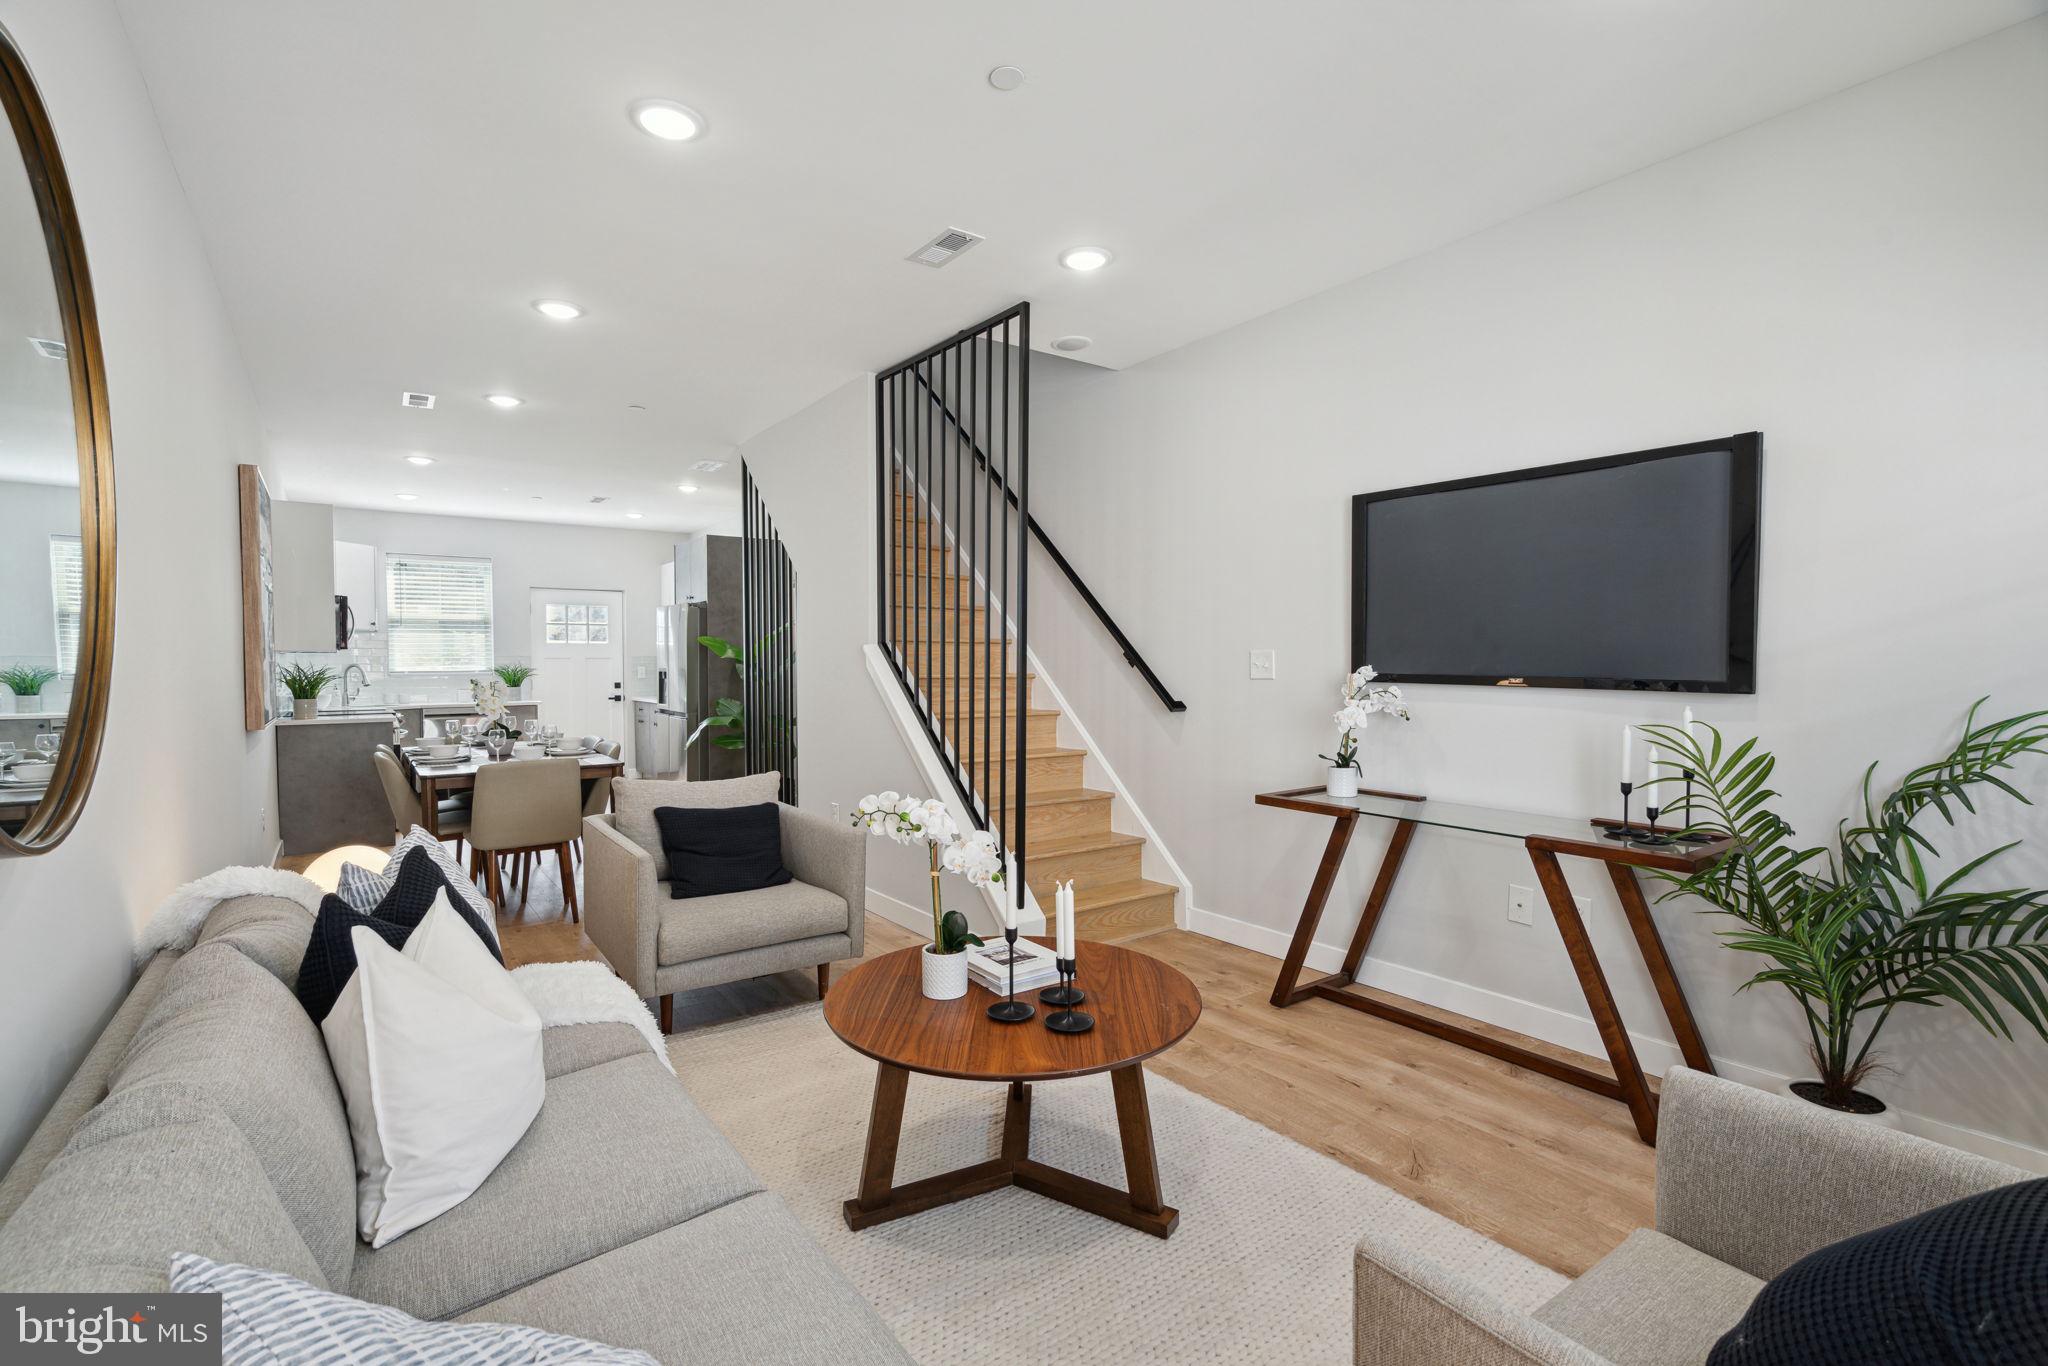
1629, 571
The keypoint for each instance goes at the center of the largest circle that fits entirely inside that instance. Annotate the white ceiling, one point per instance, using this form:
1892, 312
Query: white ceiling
385, 185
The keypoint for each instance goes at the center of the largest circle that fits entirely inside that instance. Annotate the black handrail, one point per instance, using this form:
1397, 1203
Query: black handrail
1130, 651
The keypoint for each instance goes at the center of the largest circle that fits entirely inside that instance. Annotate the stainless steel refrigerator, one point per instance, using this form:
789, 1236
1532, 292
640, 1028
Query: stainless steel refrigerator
680, 681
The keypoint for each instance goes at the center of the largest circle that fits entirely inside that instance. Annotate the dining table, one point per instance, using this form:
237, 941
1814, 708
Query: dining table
434, 779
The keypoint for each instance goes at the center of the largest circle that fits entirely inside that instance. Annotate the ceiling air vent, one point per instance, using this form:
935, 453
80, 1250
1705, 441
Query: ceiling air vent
602, 498
709, 466
944, 247
412, 400
49, 350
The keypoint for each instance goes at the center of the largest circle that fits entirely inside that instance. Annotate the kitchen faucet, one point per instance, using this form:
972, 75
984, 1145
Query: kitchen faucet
348, 695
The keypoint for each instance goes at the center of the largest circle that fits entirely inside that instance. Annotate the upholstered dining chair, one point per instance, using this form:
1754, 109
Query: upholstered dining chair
598, 800
452, 814
523, 808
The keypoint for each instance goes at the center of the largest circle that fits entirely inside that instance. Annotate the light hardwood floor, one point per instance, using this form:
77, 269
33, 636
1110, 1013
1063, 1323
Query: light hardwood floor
1545, 1168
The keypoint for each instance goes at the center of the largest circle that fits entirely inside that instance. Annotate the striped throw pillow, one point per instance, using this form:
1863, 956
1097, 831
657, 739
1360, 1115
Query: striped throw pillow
270, 1319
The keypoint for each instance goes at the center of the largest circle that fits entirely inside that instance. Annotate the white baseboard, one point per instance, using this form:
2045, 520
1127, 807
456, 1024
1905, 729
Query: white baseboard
916, 919
1561, 1027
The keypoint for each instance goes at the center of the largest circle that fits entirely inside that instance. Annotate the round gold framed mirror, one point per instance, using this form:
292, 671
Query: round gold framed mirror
56, 489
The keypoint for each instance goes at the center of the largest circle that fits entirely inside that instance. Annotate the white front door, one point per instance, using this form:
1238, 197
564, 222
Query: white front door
579, 660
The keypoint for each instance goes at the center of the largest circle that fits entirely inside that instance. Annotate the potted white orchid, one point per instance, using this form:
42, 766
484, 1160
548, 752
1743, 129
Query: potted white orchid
501, 727
925, 820
1363, 700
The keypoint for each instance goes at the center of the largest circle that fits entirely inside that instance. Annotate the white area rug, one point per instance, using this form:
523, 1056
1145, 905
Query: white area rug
1259, 1270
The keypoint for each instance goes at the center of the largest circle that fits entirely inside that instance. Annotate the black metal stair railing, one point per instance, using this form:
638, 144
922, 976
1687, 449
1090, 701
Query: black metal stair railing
768, 635
952, 457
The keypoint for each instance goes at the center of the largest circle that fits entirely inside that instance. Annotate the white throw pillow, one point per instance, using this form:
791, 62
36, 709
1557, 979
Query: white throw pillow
438, 1054
270, 1319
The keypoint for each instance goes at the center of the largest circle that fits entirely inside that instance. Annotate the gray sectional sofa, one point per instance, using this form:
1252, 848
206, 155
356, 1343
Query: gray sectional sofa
206, 1119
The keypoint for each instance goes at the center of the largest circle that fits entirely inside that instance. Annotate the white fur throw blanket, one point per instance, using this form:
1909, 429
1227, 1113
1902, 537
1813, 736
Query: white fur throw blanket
561, 993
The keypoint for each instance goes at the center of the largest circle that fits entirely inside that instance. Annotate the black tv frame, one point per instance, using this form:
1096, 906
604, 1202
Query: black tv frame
1744, 520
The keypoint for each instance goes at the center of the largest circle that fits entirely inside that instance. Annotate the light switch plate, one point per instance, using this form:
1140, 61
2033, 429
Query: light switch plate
1265, 664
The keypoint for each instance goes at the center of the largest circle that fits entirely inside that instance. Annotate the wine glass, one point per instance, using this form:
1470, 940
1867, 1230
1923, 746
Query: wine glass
46, 745
469, 734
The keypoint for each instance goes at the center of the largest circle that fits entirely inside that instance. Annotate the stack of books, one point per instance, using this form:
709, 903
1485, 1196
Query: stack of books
989, 966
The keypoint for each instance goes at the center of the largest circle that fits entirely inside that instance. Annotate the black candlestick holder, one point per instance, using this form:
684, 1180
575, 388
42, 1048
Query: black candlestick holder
1010, 1010
1621, 832
1650, 839
1066, 994
1691, 836
1068, 1020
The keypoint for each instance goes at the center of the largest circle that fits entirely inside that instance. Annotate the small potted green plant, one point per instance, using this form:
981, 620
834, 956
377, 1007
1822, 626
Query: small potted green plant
513, 676
26, 682
305, 682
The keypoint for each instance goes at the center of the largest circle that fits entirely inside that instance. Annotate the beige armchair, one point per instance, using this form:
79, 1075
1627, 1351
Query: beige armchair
662, 946
1748, 1182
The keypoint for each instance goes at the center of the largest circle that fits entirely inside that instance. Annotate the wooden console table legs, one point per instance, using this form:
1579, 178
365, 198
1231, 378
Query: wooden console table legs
1626, 1083
1141, 1208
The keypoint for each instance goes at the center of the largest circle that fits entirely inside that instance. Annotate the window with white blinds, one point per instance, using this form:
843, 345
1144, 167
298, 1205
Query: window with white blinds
67, 598
438, 614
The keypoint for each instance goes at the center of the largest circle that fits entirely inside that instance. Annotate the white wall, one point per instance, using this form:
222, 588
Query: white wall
1864, 280
182, 787
817, 474
524, 556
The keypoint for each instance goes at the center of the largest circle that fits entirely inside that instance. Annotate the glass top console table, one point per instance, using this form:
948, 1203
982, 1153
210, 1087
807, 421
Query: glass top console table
1547, 839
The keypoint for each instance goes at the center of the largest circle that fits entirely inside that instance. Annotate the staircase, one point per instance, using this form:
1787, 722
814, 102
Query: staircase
958, 663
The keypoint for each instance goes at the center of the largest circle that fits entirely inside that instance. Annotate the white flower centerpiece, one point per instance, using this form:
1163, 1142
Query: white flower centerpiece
1363, 700
501, 727
974, 856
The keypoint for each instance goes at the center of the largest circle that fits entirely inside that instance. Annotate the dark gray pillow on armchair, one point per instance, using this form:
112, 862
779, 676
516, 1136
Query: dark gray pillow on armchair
1965, 1284
713, 850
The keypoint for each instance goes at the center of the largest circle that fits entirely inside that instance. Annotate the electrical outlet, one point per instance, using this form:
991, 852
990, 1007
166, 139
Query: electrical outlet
639, 671
835, 813
1521, 904
1265, 665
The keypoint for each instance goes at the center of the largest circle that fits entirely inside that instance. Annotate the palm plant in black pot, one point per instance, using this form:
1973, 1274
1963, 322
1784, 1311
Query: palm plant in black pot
1861, 929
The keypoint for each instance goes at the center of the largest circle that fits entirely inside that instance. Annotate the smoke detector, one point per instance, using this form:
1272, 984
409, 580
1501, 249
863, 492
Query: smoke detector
945, 247
410, 399
1074, 343
49, 350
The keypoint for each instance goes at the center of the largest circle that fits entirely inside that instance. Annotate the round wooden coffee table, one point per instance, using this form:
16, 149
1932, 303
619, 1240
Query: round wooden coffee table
1141, 1007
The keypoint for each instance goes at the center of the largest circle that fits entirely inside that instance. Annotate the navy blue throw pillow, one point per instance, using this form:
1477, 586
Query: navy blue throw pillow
330, 958
1962, 1285
717, 849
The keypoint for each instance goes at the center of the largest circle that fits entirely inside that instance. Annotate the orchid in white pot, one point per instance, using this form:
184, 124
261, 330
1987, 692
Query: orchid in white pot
925, 820
1364, 698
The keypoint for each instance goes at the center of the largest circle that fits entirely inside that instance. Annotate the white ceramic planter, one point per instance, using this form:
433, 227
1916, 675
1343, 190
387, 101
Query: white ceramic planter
1886, 1118
305, 708
945, 975
1341, 782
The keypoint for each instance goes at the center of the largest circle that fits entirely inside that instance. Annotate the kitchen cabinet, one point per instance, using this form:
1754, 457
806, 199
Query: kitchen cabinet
355, 578
302, 576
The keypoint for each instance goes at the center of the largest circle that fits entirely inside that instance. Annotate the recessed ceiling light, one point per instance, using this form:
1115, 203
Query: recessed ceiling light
686, 488
1072, 343
1084, 258
428, 459
561, 310
1006, 77
503, 400
408, 497
634, 515
667, 120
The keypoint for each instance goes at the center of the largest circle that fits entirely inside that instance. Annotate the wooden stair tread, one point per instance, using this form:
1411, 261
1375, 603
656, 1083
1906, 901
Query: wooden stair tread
1061, 795
1080, 844
1103, 895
